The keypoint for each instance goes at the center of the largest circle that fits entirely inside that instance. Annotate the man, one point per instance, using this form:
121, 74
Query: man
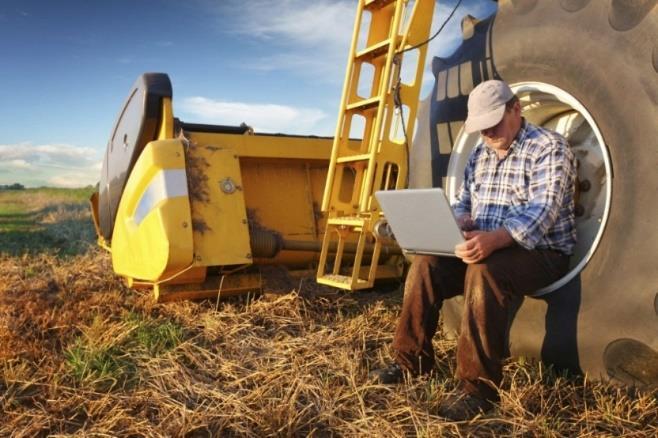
516, 205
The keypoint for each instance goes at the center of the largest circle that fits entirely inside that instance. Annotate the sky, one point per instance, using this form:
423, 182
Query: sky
66, 67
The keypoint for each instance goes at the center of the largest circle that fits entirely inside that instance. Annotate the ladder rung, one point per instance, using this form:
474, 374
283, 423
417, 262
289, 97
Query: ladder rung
353, 158
376, 4
352, 221
342, 281
374, 51
364, 105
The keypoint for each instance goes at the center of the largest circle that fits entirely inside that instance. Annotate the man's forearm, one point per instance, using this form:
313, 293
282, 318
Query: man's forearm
502, 238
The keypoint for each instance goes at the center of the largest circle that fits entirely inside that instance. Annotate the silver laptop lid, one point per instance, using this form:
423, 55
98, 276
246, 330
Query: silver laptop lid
422, 220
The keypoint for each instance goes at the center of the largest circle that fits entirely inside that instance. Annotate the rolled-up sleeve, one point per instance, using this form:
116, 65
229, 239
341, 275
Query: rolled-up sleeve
551, 184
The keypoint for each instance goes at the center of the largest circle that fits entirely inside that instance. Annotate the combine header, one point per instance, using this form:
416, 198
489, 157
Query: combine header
196, 210
186, 208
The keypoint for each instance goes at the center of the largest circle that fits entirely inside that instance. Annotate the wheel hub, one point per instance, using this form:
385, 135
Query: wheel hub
553, 108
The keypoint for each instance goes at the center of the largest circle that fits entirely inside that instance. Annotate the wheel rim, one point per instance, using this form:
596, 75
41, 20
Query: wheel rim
551, 107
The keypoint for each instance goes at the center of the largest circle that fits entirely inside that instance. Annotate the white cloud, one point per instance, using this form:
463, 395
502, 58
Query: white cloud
310, 24
299, 63
310, 38
263, 117
47, 153
16, 164
73, 179
49, 164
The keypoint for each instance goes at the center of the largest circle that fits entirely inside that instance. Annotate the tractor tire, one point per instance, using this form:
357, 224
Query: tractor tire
603, 53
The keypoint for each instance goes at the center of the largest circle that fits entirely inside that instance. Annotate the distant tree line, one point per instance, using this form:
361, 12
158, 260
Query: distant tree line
14, 186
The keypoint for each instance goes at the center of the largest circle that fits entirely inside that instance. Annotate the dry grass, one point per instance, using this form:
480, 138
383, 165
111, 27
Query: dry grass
56, 221
81, 354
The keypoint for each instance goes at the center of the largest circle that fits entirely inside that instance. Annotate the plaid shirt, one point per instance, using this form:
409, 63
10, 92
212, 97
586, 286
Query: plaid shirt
530, 192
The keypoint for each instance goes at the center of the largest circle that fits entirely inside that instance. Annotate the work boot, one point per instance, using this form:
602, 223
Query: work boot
387, 376
463, 406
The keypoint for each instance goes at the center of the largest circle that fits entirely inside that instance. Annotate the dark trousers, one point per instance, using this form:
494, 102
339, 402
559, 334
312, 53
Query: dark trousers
492, 289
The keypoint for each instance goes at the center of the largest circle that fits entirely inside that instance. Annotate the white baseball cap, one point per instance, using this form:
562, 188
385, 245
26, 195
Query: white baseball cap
486, 105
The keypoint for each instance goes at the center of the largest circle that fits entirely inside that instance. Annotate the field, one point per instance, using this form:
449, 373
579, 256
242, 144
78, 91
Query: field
81, 354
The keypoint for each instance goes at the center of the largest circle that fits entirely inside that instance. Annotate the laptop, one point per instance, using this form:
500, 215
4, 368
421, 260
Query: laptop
421, 220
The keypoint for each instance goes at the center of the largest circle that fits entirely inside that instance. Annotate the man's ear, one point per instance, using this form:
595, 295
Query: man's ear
517, 107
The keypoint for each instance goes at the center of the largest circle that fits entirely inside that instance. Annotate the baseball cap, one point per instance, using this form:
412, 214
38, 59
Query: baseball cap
486, 105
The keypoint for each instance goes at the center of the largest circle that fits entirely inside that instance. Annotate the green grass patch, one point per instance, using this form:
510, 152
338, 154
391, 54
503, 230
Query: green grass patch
13, 201
12, 208
80, 195
154, 337
102, 367
107, 355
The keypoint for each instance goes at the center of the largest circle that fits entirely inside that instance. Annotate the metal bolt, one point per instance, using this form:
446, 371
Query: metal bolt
585, 185
184, 224
244, 221
227, 185
248, 256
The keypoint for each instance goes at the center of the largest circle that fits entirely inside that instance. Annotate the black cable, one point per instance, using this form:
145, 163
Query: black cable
397, 101
454, 9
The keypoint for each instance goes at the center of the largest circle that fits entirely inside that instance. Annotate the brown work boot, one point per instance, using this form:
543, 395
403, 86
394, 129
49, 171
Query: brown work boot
387, 376
463, 406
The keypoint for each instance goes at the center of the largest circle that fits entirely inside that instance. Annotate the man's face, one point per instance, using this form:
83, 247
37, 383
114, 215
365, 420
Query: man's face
501, 136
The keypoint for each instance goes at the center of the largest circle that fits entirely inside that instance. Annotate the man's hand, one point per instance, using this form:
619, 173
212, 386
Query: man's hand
466, 223
480, 244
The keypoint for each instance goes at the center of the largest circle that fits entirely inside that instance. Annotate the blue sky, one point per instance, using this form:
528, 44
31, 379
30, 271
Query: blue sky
67, 65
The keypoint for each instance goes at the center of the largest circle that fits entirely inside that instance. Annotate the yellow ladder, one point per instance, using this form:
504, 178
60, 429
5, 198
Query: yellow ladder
395, 29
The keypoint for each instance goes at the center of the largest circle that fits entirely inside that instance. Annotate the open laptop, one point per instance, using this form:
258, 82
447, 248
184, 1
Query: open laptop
422, 220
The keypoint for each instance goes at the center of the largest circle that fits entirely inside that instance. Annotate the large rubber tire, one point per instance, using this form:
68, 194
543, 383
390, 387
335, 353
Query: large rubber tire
136, 125
605, 54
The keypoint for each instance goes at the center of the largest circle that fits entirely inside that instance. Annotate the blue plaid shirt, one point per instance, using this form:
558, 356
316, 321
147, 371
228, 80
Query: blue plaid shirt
529, 192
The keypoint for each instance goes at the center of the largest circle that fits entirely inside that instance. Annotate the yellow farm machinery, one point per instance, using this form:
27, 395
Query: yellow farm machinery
194, 210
